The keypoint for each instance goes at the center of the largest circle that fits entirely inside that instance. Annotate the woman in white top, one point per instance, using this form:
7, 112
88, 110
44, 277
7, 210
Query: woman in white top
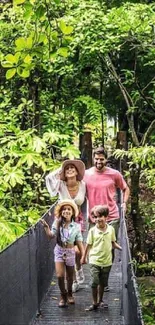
68, 184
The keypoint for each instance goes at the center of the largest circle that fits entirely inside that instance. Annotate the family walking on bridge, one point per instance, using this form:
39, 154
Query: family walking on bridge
74, 186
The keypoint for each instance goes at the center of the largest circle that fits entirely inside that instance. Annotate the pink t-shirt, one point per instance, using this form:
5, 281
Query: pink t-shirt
101, 189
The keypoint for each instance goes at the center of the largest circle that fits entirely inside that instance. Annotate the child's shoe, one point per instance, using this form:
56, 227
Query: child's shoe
63, 300
75, 286
80, 276
106, 289
70, 298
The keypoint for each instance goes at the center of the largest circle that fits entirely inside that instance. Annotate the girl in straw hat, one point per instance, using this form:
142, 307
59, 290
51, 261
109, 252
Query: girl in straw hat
67, 232
67, 182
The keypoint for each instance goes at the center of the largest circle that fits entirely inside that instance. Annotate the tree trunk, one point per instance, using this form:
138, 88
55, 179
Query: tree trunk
85, 147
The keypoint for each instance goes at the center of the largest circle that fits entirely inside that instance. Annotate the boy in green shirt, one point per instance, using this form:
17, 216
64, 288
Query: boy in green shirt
100, 241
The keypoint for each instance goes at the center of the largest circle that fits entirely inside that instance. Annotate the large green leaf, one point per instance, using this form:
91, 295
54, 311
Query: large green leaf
38, 144
63, 51
18, 2
11, 58
14, 176
64, 28
10, 73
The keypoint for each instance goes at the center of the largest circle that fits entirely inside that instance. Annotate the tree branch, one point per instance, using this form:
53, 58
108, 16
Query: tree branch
147, 133
128, 100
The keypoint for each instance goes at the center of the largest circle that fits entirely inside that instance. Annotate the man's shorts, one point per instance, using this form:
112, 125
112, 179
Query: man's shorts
115, 223
99, 275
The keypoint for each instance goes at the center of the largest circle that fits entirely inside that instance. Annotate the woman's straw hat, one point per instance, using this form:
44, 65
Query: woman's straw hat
66, 202
79, 165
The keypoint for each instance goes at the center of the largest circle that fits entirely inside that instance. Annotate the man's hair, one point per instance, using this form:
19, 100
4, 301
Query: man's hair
100, 151
102, 210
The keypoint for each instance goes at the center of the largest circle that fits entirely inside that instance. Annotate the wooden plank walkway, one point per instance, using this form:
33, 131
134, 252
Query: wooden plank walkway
76, 314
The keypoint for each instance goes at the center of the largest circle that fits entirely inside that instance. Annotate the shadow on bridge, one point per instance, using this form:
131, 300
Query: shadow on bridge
26, 290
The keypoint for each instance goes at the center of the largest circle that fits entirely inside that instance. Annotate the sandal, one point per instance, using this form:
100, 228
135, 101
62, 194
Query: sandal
103, 305
93, 307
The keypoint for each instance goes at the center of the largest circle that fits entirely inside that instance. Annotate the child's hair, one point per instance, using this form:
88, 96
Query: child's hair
102, 210
60, 224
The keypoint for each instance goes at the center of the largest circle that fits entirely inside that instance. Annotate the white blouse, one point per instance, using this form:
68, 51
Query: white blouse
56, 186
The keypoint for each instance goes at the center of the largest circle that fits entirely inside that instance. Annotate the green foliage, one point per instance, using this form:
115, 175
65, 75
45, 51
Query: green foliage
147, 294
143, 159
65, 66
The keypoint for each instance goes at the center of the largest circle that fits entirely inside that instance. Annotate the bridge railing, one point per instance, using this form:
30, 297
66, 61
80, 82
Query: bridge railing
131, 306
26, 269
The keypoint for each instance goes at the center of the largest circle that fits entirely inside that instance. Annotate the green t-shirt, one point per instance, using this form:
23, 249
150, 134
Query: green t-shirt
101, 245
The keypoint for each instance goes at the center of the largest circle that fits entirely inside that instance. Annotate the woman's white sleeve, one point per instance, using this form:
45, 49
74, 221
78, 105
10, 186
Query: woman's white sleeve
53, 182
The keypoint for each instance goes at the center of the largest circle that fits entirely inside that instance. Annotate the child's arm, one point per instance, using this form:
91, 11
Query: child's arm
85, 253
80, 247
115, 245
47, 229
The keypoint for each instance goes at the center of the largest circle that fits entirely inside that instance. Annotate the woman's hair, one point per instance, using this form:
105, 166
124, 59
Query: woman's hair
60, 224
102, 210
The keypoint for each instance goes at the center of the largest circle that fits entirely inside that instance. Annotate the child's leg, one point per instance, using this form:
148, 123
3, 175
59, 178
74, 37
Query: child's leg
103, 281
69, 273
79, 276
60, 273
94, 271
100, 293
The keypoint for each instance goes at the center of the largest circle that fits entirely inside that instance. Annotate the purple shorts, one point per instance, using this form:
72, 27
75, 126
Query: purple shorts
65, 255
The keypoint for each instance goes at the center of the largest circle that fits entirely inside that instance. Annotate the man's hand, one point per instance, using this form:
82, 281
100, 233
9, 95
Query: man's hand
124, 207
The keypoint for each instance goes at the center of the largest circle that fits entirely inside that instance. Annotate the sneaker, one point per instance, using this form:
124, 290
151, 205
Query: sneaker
106, 289
80, 276
75, 286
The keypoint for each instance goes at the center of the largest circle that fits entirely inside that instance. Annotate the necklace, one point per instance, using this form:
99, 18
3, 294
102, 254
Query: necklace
73, 188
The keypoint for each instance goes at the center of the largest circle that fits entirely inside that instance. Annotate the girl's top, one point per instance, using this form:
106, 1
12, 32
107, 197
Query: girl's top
70, 235
56, 186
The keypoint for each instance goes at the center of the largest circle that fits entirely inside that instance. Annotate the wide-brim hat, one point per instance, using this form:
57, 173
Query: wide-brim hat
79, 165
66, 202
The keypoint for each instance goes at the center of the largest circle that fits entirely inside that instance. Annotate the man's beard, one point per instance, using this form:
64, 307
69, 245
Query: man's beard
99, 166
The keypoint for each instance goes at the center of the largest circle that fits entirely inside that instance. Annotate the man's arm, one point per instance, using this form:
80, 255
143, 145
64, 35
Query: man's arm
126, 194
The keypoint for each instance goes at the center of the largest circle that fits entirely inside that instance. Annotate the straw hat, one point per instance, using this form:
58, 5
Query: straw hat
66, 202
79, 165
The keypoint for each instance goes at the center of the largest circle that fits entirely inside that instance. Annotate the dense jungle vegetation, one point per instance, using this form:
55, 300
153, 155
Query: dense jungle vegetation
65, 67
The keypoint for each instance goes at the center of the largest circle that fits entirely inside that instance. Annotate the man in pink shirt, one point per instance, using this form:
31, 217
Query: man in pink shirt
101, 185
